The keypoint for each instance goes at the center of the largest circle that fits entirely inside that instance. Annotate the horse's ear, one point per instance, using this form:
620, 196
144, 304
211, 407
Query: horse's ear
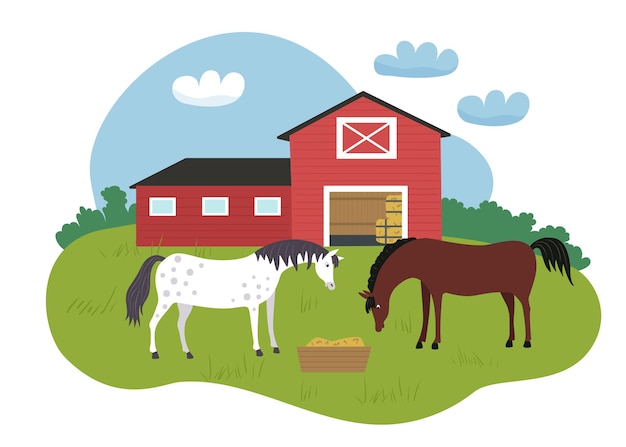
365, 294
340, 258
332, 253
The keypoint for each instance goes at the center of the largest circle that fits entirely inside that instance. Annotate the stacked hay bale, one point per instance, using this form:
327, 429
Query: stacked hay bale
389, 229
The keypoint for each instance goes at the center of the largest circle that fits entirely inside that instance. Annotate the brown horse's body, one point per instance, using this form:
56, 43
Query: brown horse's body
445, 267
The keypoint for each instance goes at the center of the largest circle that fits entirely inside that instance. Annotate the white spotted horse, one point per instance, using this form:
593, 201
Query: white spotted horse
189, 281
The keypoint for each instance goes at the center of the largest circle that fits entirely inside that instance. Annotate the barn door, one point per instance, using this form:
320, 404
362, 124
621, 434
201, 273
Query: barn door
365, 218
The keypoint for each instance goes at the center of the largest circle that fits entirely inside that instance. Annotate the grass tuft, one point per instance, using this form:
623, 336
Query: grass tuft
404, 324
233, 372
389, 394
307, 392
307, 304
124, 250
104, 308
467, 359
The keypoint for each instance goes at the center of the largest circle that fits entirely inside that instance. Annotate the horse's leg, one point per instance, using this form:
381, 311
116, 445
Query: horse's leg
509, 299
160, 310
254, 325
183, 313
425, 315
525, 300
154, 321
437, 304
270, 323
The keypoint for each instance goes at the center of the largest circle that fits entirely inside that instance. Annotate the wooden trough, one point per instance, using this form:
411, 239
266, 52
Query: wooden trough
333, 358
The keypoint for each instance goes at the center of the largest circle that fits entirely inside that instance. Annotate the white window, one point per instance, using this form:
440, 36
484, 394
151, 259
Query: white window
364, 137
267, 206
215, 206
162, 206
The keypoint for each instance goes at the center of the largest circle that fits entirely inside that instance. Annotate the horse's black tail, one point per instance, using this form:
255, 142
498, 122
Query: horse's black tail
554, 254
139, 289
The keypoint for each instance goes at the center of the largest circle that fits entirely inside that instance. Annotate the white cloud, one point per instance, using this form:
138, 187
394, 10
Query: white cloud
210, 91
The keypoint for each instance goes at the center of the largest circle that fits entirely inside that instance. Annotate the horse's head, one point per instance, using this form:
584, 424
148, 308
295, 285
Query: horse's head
379, 310
325, 266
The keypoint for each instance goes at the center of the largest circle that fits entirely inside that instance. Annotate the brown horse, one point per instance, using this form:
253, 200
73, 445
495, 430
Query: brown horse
459, 269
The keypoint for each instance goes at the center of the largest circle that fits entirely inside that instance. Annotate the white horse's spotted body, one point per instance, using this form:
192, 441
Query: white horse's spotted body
248, 282
244, 282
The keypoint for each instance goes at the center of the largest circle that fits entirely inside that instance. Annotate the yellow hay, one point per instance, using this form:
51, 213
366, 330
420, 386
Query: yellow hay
342, 342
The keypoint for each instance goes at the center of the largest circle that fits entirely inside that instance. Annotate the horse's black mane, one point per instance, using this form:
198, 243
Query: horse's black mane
382, 257
289, 250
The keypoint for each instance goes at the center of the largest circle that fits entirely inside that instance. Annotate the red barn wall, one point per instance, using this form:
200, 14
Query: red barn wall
314, 164
190, 228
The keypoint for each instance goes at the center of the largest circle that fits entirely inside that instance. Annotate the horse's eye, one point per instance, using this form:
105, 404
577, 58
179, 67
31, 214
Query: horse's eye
378, 306
327, 264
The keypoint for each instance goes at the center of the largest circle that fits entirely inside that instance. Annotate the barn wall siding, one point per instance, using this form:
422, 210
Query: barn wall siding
190, 228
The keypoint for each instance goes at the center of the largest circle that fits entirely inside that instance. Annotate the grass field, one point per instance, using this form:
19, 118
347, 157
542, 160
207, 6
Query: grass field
86, 311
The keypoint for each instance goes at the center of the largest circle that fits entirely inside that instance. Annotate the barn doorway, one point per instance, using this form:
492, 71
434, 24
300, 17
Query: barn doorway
365, 216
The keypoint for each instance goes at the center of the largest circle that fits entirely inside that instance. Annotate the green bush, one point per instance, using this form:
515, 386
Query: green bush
115, 211
492, 223
113, 214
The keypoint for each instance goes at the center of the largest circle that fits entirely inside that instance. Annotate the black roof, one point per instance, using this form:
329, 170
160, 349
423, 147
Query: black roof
285, 136
223, 172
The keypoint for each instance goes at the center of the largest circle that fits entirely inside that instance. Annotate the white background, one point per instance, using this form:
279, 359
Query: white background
64, 64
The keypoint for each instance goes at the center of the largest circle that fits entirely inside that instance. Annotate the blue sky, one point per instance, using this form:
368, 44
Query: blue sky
231, 95
148, 129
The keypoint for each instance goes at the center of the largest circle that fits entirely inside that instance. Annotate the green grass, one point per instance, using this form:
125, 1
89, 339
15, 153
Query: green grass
86, 312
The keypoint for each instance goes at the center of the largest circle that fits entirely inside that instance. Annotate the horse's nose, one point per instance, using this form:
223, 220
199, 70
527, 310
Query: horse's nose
330, 285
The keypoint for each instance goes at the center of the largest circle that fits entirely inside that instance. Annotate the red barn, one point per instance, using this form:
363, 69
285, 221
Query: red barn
347, 161
361, 173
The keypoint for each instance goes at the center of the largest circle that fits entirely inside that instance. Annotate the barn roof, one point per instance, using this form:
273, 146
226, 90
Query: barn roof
222, 172
285, 136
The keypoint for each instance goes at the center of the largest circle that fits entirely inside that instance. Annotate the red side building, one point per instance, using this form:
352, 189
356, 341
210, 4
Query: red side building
214, 202
356, 171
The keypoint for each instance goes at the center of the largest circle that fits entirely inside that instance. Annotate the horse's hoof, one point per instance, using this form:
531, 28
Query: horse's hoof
509, 344
189, 355
259, 353
155, 355
276, 350
419, 345
435, 345
527, 344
